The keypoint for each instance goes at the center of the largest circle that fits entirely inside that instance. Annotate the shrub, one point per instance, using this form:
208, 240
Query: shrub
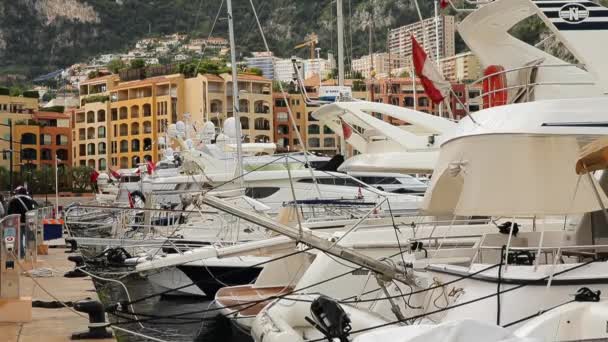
4, 91
56, 109
33, 94
96, 98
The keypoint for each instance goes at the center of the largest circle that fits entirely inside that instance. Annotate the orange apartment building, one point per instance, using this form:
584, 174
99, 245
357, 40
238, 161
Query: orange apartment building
41, 139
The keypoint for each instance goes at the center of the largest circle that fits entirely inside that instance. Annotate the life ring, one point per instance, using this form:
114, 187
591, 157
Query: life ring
494, 86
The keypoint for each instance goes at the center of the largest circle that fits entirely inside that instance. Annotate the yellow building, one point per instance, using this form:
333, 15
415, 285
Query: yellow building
13, 108
119, 124
461, 67
90, 133
209, 97
140, 112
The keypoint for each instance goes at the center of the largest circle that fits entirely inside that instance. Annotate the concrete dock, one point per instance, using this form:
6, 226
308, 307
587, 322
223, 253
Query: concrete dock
51, 325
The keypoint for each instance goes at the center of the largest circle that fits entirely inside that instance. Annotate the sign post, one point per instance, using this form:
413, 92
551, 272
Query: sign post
13, 307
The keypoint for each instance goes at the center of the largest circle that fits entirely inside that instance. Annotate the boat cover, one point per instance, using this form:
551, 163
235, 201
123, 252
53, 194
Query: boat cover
455, 331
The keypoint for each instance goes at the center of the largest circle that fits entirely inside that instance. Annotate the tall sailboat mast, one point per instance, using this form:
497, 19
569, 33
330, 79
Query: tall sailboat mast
235, 94
340, 22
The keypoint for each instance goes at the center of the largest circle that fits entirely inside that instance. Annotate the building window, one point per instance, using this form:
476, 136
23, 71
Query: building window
90, 117
91, 149
46, 139
28, 139
262, 124
135, 145
313, 129
313, 142
329, 142
124, 146
101, 132
101, 115
147, 127
61, 139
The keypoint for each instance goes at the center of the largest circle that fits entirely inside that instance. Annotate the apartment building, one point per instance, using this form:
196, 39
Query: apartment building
283, 69
13, 109
41, 139
461, 67
400, 42
140, 112
286, 137
378, 65
90, 123
209, 97
263, 61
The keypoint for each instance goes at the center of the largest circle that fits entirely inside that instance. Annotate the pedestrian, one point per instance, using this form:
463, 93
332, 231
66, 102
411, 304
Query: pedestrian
20, 204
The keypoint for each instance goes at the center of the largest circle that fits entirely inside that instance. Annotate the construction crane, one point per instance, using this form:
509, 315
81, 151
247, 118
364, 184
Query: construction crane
310, 40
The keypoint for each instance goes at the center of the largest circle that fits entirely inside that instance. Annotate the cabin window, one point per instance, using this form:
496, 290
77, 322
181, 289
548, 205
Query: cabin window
261, 192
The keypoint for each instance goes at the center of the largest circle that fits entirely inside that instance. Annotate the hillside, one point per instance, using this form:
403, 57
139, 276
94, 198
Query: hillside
58, 33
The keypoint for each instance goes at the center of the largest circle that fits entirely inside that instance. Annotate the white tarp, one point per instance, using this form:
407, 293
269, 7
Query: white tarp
402, 162
456, 331
509, 175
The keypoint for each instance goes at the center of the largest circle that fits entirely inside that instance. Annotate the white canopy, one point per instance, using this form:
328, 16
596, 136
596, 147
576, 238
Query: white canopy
510, 175
358, 114
401, 162
456, 331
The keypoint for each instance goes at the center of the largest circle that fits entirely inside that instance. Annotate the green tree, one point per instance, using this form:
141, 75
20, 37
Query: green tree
48, 96
404, 74
81, 178
255, 71
138, 63
116, 65
16, 90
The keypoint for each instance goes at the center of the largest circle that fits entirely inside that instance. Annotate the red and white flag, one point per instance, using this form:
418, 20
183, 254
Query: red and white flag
151, 167
131, 201
115, 174
433, 83
347, 131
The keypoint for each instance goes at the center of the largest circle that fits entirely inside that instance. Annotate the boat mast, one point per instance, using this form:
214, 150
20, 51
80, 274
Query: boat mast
437, 48
340, 22
235, 95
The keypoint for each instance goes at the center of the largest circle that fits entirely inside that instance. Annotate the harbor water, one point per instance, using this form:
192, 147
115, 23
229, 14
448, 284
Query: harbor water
209, 326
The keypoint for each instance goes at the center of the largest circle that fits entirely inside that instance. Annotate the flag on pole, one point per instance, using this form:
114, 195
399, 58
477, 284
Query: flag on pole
151, 167
433, 83
347, 131
444, 3
131, 202
115, 174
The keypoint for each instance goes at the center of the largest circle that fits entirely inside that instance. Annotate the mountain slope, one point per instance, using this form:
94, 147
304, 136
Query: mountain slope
58, 33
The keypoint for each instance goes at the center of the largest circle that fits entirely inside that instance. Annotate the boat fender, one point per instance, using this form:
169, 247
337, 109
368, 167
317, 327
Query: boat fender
329, 318
521, 258
506, 227
139, 194
584, 294
117, 255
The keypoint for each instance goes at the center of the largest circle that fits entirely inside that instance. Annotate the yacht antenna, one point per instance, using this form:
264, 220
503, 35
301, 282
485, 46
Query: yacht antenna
235, 94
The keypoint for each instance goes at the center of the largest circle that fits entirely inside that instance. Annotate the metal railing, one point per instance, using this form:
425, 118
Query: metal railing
527, 86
